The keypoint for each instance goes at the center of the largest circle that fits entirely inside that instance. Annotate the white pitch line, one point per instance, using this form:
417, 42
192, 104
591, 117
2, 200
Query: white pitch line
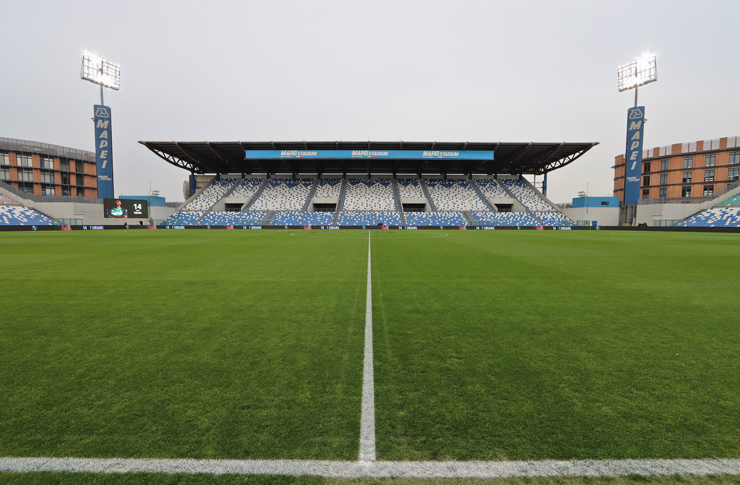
367, 419
378, 469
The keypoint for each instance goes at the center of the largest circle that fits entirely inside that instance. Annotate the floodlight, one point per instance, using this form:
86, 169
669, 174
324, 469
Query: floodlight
638, 72
99, 71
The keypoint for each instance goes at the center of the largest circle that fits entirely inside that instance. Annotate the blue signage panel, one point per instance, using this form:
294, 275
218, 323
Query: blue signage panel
382, 154
633, 154
104, 151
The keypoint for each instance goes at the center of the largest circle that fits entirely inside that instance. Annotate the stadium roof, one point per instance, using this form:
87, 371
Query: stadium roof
229, 157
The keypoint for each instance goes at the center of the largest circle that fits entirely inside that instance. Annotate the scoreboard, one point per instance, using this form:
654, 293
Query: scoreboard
126, 208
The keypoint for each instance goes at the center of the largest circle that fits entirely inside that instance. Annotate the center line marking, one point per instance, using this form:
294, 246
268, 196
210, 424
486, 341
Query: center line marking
367, 420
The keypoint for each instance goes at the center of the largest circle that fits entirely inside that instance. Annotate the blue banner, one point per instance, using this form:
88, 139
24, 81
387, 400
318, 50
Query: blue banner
104, 151
382, 154
633, 154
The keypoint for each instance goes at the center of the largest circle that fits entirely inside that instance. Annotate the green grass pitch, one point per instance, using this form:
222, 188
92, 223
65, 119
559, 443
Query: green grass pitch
488, 344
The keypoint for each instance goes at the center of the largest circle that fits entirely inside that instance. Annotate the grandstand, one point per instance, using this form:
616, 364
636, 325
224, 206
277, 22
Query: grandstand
367, 183
368, 202
15, 215
715, 217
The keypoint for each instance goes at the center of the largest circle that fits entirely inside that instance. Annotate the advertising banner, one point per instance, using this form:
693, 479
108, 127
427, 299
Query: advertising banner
633, 154
379, 154
104, 151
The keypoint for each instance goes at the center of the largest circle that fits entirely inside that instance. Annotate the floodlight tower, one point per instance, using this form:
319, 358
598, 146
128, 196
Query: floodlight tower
637, 73
107, 75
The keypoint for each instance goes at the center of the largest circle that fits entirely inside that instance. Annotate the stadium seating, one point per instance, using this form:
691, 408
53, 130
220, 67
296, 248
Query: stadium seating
13, 215
369, 195
232, 218
506, 218
554, 219
434, 218
283, 195
328, 189
715, 217
732, 201
410, 189
210, 195
526, 195
183, 218
302, 218
4, 199
491, 189
369, 218
454, 195
245, 189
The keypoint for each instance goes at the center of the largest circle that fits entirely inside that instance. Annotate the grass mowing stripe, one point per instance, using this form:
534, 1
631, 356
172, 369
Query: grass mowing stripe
181, 344
534, 345
367, 421
379, 469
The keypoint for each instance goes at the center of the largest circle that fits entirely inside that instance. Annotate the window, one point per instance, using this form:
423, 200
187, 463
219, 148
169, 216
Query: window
735, 158
78, 166
24, 160
663, 193
686, 191
646, 181
646, 167
663, 179
80, 192
664, 164
25, 175
25, 187
65, 178
708, 190
46, 162
5, 173
710, 160
709, 175
79, 180
688, 162
65, 165
687, 177
47, 177
47, 190
66, 191
4, 159
733, 173
646, 193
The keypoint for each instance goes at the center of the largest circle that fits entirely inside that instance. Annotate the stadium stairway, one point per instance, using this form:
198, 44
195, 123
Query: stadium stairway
194, 196
248, 205
428, 196
310, 195
397, 198
235, 183
475, 186
203, 215
510, 194
228, 192
527, 209
340, 202
513, 196
536, 218
540, 195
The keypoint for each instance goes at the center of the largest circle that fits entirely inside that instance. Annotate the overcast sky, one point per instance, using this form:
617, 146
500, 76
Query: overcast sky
513, 71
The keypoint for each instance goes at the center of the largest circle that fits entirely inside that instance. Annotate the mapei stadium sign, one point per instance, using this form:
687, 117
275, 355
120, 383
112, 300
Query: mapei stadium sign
379, 154
633, 154
104, 150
